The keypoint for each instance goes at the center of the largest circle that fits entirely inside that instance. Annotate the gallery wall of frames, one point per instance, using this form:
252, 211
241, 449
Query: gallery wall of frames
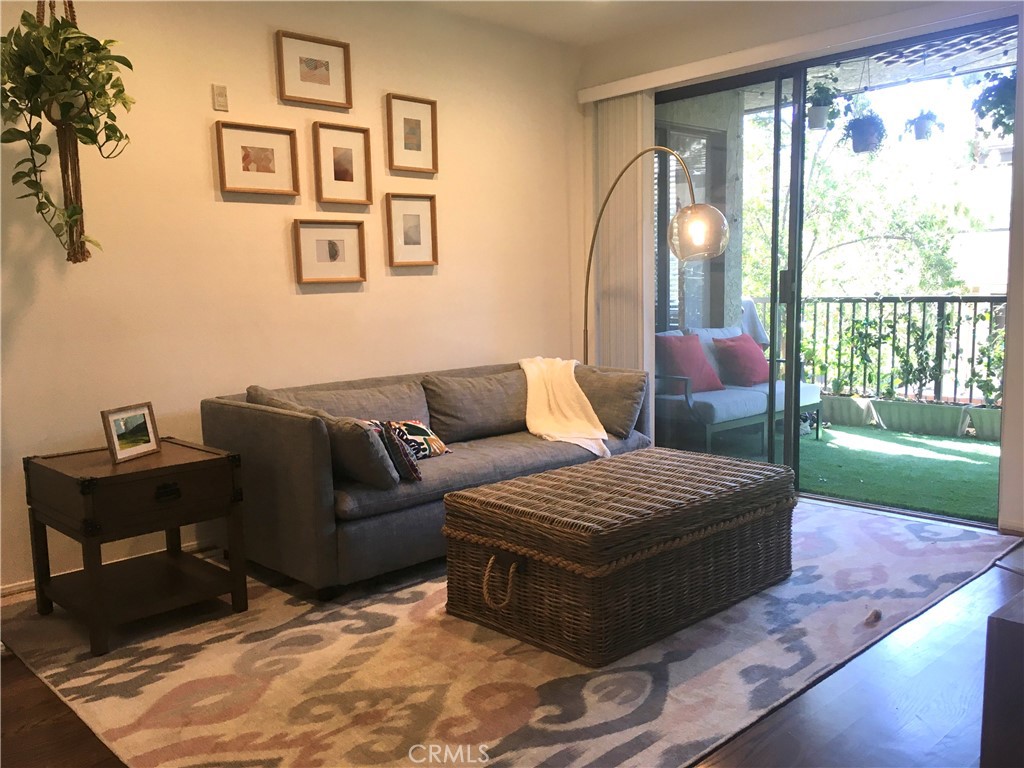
255, 161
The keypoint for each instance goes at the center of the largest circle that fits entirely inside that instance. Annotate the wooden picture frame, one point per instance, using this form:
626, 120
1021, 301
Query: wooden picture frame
412, 230
313, 70
257, 159
130, 431
412, 133
329, 251
341, 156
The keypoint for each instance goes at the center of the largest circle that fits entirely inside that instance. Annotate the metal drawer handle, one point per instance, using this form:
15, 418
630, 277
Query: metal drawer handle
168, 492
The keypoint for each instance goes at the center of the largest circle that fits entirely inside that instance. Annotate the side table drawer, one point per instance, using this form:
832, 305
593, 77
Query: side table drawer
205, 489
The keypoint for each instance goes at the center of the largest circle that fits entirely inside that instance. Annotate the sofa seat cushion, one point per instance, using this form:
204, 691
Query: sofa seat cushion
810, 394
473, 463
713, 407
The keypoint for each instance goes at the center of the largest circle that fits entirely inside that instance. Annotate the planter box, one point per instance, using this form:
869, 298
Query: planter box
987, 422
921, 418
847, 411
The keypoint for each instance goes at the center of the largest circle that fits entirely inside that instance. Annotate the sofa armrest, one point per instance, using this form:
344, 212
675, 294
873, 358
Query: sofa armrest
287, 486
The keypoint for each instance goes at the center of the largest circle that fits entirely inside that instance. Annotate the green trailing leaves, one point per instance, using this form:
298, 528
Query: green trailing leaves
53, 71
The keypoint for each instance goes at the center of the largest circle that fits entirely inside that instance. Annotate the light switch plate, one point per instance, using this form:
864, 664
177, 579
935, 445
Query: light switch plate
220, 98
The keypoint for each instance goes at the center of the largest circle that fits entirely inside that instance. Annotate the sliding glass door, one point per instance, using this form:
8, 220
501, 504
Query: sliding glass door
868, 201
737, 142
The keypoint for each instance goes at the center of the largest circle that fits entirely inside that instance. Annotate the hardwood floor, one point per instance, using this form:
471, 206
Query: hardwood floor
913, 699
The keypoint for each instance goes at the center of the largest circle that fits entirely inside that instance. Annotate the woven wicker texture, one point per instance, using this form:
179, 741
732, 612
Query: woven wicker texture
599, 513
600, 559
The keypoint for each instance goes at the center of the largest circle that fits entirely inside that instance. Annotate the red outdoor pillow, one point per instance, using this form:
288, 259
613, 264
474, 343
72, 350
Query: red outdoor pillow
741, 360
684, 356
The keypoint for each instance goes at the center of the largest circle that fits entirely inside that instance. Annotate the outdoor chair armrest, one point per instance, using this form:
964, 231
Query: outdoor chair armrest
687, 385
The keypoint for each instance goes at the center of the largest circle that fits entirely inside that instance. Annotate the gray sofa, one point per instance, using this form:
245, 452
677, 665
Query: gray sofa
307, 517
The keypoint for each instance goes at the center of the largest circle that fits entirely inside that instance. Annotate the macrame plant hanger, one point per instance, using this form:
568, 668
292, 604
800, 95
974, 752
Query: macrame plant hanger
67, 151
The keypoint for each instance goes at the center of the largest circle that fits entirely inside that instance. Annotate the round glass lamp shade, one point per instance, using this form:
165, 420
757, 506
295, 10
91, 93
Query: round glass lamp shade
697, 233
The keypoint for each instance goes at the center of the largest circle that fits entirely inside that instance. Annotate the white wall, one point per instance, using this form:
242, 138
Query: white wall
194, 296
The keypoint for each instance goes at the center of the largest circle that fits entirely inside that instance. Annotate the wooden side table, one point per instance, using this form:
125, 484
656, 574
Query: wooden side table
93, 501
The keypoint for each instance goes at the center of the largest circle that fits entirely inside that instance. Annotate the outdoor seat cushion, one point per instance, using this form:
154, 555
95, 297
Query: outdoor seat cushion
713, 407
473, 463
810, 394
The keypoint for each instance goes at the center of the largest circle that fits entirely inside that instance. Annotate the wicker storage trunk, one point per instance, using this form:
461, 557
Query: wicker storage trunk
597, 560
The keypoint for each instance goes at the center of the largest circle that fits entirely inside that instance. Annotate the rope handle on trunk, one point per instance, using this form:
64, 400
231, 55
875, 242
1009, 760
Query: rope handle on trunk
508, 589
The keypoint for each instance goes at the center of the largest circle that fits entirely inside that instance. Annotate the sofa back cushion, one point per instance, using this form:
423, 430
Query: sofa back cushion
615, 396
392, 402
685, 356
742, 361
470, 407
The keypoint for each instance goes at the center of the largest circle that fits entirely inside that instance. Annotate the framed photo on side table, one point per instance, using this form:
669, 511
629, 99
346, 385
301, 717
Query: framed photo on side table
412, 230
412, 134
257, 158
131, 431
329, 251
342, 163
313, 70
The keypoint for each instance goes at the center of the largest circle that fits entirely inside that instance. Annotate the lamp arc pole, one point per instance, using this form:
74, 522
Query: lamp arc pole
597, 226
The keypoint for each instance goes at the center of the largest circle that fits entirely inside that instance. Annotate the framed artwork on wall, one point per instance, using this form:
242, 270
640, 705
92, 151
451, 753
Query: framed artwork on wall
329, 251
342, 163
257, 159
412, 134
412, 230
130, 431
313, 70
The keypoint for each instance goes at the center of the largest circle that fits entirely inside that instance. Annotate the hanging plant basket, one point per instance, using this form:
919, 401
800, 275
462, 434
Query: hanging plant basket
864, 130
53, 71
924, 125
817, 117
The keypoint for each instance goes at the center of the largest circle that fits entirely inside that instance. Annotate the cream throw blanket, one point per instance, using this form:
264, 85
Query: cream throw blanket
557, 409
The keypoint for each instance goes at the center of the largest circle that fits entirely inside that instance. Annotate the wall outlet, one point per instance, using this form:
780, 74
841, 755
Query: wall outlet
220, 98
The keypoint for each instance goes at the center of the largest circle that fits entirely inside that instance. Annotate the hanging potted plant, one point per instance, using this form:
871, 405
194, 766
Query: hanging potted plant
822, 110
57, 73
865, 130
923, 125
997, 103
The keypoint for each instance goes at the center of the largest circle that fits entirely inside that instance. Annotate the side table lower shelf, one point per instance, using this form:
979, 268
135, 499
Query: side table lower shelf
141, 586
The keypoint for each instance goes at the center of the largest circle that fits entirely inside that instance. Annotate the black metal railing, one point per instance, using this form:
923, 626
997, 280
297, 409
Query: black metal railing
945, 348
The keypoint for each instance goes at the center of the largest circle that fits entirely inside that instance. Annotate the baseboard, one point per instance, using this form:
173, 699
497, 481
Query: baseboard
21, 587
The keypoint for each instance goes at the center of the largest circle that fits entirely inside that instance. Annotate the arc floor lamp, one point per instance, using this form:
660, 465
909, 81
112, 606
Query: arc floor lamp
697, 232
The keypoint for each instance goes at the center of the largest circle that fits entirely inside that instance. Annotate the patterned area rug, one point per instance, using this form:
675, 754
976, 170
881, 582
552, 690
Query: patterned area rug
388, 678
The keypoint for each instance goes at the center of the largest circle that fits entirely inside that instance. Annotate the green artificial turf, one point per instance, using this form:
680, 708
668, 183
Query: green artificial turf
957, 477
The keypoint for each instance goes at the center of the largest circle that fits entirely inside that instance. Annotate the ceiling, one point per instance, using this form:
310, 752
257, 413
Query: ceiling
582, 22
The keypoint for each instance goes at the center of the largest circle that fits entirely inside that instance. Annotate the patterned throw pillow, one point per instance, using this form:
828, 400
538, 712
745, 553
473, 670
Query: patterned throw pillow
419, 438
401, 454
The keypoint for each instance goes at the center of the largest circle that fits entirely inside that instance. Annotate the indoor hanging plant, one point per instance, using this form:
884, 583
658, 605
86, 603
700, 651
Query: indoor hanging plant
865, 130
55, 72
924, 124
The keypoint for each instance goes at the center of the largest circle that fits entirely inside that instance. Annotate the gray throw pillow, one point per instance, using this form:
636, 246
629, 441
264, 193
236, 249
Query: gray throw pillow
392, 402
357, 451
470, 407
616, 396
